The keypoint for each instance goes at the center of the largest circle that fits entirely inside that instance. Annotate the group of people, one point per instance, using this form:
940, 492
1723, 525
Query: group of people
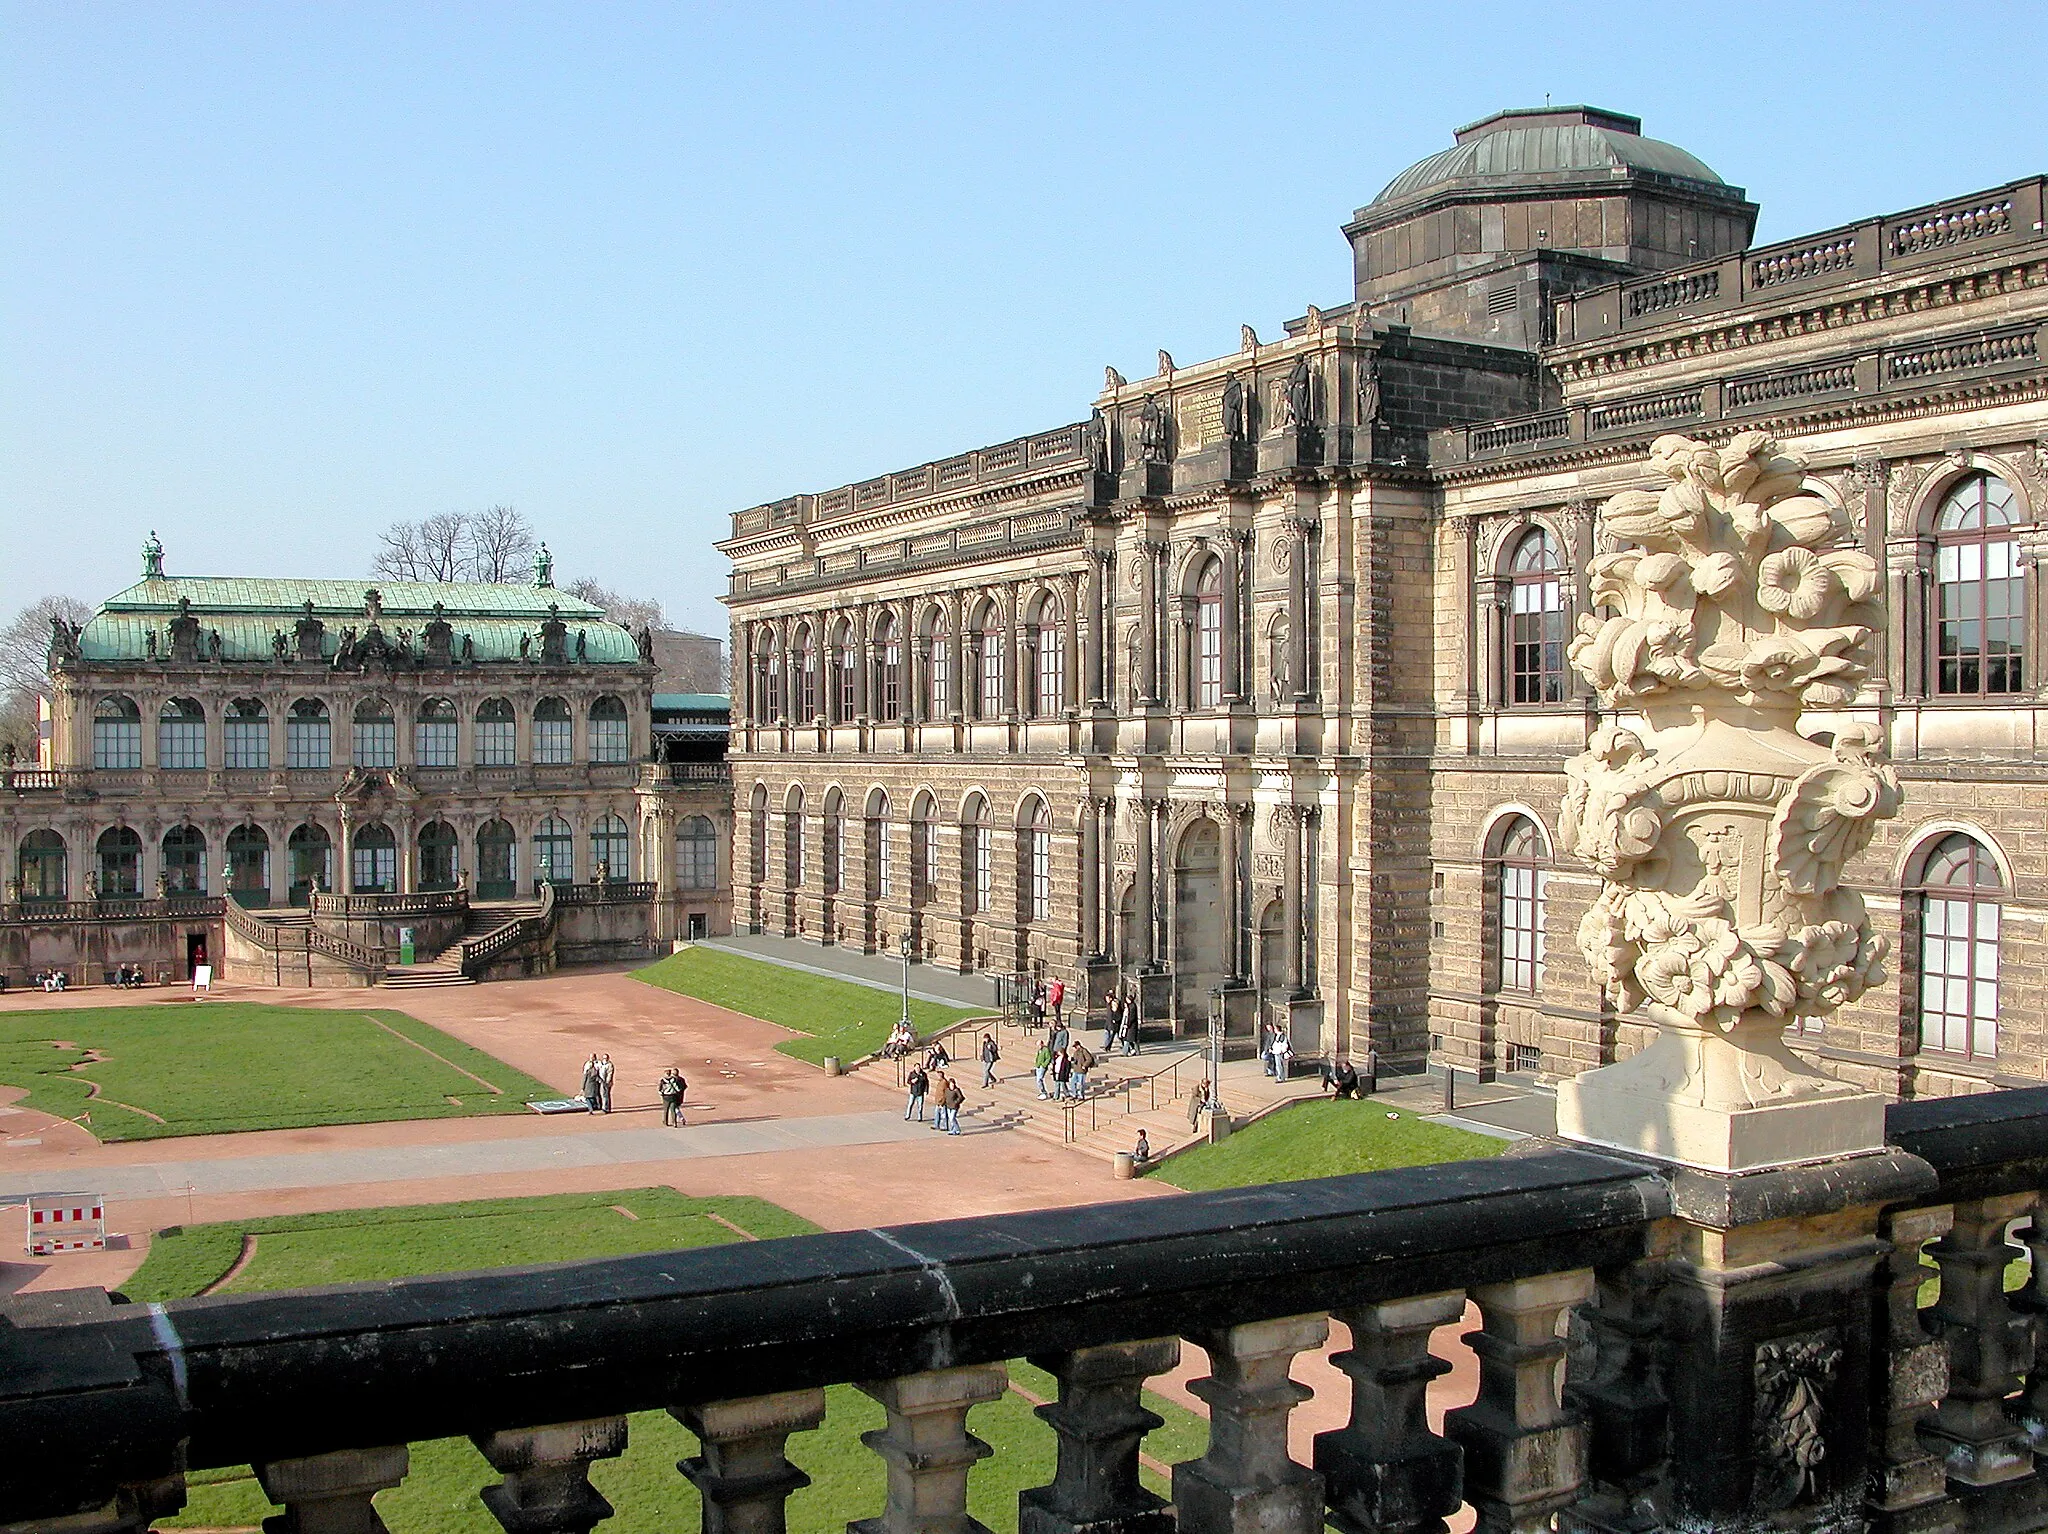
128, 976
52, 980
1062, 1063
901, 1042
930, 1082
597, 1083
670, 1090
1120, 1021
1276, 1051
1048, 1003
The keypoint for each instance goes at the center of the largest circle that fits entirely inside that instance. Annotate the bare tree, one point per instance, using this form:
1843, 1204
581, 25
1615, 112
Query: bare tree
398, 553
631, 613
499, 546
25, 667
444, 547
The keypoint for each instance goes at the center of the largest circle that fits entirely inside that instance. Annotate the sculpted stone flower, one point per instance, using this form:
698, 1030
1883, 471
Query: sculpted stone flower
1696, 966
1827, 960
1795, 582
1715, 574
1644, 518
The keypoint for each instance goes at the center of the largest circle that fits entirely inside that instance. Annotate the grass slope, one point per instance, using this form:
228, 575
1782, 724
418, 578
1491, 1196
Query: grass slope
219, 1067
439, 1496
1323, 1139
837, 1017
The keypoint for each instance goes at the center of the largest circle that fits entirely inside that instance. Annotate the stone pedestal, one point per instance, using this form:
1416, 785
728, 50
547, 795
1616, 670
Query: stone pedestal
1141, 481
1291, 447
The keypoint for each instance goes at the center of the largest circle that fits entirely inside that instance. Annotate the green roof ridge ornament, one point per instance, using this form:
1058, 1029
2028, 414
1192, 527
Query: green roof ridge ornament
152, 558
543, 567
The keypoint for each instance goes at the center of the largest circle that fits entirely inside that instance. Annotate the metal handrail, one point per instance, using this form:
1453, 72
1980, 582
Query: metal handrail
1127, 1087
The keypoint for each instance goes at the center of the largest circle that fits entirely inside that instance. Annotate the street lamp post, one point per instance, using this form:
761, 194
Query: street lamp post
905, 948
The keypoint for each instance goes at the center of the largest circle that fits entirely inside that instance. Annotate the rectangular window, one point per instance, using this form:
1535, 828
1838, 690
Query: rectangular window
941, 667
697, 862
181, 744
835, 856
847, 662
1536, 640
552, 741
991, 675
374, 869
433, 742
983, 870
496, 743
892, 666
1525, 1058
247, 743
924, 860
1051, 672
1209, 653
1959, 977
1521, 927
116, 743
376, 743
881, 840
607, 740
1041, 875
307, 744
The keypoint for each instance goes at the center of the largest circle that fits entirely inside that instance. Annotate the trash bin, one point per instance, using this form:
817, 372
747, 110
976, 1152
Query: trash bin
1123, 1166
833, 1067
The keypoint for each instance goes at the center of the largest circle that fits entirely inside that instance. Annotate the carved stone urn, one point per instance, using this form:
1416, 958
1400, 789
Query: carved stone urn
1720, 830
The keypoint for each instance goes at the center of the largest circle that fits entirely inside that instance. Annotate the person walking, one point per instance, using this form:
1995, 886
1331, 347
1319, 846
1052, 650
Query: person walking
916, 1082
670, 1090
1059, 1038
593, 1085
1198, 1102
1130, 1027
942, 1097
1062, 1072
1040, 1064
1082, 1059
955, 1101
989, 1056
604, 1080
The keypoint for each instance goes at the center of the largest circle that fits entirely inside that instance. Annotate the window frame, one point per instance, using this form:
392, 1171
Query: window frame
1521, 907
1979, 545
1537, 617
1972, 900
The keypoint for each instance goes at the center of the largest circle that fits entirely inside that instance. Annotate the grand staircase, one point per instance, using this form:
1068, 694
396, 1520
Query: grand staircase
445, 968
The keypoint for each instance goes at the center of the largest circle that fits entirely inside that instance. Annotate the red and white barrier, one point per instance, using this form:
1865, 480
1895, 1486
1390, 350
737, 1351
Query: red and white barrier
66, 1222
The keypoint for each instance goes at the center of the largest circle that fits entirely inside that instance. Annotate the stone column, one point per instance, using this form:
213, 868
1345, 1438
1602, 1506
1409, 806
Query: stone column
1386, 1472
1231, 851
406, 833
1988, 1456
1149, 598
1245, 1483
1090, 865
1233, 681
956, 642
1908, 1489
1148, 902
928, 1449
547, 1487
345, 875
744, 1473
1095, 1488
1297, 612
865, 703
330, 1493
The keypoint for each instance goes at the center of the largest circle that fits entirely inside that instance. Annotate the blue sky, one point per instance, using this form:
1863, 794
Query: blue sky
274, 275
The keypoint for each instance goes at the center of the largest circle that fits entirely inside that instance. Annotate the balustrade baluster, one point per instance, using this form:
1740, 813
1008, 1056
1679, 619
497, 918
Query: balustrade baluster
330, 1493
1525, 1453
744, 1473
928, 1448
1100, 1422
2032, 1411
1621, 1396
131, 1510
1908, 1488
547, 1487
1386, 1472
1989, 1349
1246, 1482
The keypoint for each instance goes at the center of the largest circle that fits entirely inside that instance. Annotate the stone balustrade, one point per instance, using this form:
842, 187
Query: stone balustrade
1658, 1347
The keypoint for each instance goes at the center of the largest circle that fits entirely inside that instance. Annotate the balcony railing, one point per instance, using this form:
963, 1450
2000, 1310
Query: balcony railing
610, 892
1829, 1397
119, 908
418, 903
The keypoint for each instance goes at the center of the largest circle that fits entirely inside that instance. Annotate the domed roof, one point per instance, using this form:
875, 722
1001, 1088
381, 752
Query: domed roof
1520, 146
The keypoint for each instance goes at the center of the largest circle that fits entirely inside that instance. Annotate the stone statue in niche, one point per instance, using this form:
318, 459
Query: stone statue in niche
645, 643
1152, 432
1134, 650
554, 636
1297, 399
1279, 662
1720, 831
149, 643
1234, 424
213, 644
310, 631
1368, 389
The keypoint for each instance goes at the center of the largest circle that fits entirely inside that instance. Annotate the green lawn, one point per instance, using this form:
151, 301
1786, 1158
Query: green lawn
440, 1494
215, 1067
1323, 1139
837, 1017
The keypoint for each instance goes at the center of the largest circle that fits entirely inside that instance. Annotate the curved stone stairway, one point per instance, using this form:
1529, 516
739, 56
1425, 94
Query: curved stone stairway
445, 968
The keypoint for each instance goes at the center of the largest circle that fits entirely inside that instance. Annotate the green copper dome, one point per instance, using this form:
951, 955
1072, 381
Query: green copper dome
1533, 145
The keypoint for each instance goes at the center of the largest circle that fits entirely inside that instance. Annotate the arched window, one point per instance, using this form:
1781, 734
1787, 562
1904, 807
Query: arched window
120, 856
835, 841
845, 674
40, 867
308, 736
245, 736
1049, 687
1207, 689
497, 734
1034, 836
497, 869
1536, 634
373, 860
553, 734
1980, 592
757, 834
611, 855
924, 849
696, 853
184, 861
806, 675
433, 733
888, 670
610, 738
878, 860
977, 878
116, 733
1521, 902
1960, 897
375, 740
988, 649
793, 839
181, 736
438, 848
938, 666
310, 852
249, 866
554, 851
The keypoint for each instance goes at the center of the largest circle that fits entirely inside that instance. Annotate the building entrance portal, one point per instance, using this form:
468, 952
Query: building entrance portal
1197, 923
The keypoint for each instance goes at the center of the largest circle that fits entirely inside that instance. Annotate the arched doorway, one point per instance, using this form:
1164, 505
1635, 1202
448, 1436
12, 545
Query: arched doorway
496, 873
120, 851
184, 865
1197, 920
310, 852
438, 846
249, 866
1130, 937
373, 861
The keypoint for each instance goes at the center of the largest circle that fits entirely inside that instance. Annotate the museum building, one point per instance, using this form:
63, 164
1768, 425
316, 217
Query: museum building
294, 780
1252, 688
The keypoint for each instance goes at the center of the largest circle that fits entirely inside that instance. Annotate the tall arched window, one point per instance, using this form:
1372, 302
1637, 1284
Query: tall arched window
249, 866
1034, 863
978, 876
310, 852
308, 736
185, 861
924, 849
757, 834
376, 734
1980, 601
1960, 897
497, 869
120, 857
1049, 687
806, 675
793, 838
888, 702
611, 854
373, 860
1536, 634
1207, 671
497, 734
845, 674
116, 733
554, 851
835, 841
438, 846
610, 740
181, 736
433, 733
938, 666
1523, 873
554, 733
988, 649
880, 882
245, 736
696, 853
40, 867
